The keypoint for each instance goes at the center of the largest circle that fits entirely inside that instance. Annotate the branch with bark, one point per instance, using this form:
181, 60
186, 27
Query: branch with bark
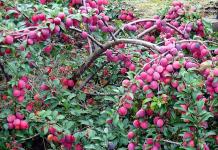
171, 142
146, 31
91, 45
108, 45
147, 20
89, 36
198, 41
111, 34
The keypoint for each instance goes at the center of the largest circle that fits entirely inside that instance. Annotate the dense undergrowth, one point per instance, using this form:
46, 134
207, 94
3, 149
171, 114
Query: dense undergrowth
92, 75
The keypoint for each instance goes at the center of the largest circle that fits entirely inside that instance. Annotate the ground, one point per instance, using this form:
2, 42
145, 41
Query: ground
148, 8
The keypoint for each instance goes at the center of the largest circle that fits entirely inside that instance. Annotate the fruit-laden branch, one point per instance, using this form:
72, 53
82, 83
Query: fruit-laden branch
198, 41
89, 36
108, 45
146, 20
91, 45
142, 68
133, 22
111, 33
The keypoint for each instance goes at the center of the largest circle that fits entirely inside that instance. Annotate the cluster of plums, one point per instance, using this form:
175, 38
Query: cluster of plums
67, 140
17, 122
19, 89
126, 15
162, 71
176, 10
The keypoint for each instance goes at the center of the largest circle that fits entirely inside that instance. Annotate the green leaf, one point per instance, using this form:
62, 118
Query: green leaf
109, 98
62, 25
186, 117
210, 133
200, 105
206, 116
11, 11
71, 96
60, 117
52, 26
45, 130
91, 146
76, 16
81, 96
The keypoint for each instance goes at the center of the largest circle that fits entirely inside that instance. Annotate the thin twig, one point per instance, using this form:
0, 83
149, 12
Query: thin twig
27, 28
185, 41
19, 35
211, 42
172, 142
103, 94
173, 27
91, 45
161, 55
146, 31
89, 36
133, 22
112, 35
44, 143
146, 20
185, 27
25, 16
30, 137
91, 76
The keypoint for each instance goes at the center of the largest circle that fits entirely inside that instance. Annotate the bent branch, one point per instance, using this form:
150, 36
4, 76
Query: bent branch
146, 20
108, 45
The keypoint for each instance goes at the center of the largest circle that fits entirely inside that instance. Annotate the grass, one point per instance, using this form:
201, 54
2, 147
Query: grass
147, 8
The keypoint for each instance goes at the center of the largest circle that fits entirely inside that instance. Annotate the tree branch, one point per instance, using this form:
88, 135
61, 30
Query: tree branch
89, 36
173, 27
146, 31
172, 142
29, 137
25, 15
185, 41
108, 45
112, 35
91, 45
133, 22
198, 41
146, 20
103, 94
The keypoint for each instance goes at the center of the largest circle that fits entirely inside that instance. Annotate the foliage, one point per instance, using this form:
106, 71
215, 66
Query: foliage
92, 75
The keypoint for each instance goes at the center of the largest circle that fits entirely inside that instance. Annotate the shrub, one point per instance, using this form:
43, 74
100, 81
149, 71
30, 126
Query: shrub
74, 78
